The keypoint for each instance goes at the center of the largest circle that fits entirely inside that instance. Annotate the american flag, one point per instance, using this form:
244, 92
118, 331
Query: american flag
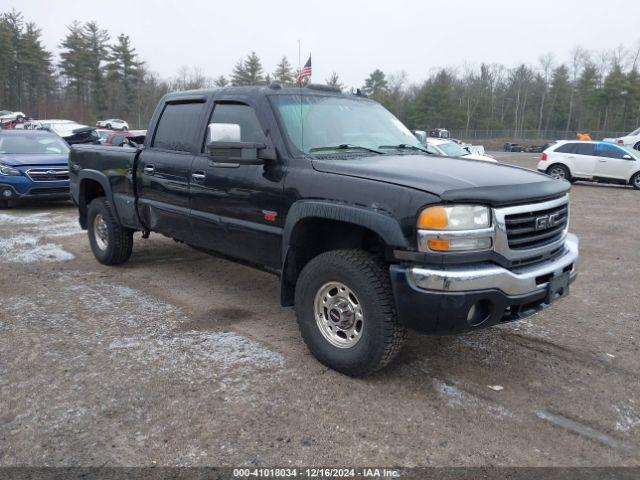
305, 73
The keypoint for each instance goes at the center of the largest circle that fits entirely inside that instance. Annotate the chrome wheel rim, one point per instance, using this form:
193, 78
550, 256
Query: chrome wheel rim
339, 315
101, 232
636, 181
557, 173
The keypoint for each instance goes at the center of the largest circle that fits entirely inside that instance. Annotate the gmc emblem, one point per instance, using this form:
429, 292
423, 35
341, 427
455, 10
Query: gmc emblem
547, 221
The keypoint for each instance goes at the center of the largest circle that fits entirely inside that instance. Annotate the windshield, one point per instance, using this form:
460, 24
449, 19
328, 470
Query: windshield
314, 123
452, 149
32, 144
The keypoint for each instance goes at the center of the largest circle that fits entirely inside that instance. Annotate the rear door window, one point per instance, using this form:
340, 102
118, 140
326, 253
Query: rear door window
584, 148
566, 148
178, 127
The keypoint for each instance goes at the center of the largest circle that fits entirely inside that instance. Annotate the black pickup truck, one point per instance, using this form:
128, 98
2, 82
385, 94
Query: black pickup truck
368, 233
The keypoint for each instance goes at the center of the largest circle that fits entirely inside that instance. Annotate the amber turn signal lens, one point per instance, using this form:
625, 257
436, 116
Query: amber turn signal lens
434, 218
438, 245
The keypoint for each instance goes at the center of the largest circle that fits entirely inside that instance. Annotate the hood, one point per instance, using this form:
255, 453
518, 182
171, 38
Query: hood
18, 160
452, 179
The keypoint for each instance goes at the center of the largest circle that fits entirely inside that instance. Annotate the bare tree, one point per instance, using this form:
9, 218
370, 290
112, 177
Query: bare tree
546, 64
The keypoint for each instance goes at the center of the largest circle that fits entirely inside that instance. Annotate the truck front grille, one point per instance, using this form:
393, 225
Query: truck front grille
536, 229
48, 174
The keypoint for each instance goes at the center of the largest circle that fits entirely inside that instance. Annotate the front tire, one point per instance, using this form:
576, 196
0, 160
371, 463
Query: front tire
346, 312
111, 243
635, 181
559, 172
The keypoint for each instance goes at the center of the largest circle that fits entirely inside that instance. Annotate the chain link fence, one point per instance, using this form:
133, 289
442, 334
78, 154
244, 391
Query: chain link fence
529, 134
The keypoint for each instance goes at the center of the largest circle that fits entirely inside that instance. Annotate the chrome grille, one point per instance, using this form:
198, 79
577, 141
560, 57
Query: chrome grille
48, 174
536, 229
516, 238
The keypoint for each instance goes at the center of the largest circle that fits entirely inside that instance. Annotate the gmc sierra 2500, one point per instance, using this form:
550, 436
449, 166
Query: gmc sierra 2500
368, 233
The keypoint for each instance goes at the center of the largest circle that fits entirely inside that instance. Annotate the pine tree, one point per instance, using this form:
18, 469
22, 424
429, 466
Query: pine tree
284, 73
248, 71
123, 75
74, 64
221, 81
376, 84
96, 41
334, 81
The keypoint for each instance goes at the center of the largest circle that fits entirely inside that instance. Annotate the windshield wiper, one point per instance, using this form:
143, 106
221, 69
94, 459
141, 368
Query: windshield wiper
404, 146
344, 146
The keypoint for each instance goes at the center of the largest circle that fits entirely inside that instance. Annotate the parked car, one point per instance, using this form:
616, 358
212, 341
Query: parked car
513, 147
132, 138
72, 132
33, 164
368, 233
595, 161
631, 140
113, 124
103, 134
448, 148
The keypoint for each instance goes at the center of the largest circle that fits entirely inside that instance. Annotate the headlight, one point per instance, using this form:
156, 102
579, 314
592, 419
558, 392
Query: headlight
6, 170
455, 228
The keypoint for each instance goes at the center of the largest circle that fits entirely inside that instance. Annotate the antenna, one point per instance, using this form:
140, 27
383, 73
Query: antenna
300, 92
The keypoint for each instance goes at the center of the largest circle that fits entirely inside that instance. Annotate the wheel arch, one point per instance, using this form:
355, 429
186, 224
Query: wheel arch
314, 227
561, 164
92, 184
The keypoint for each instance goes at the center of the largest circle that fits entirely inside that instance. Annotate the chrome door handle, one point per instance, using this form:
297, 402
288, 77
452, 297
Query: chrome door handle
149, 169
198, 176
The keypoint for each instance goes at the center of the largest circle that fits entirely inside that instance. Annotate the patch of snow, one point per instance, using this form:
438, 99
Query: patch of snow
30, 245
26, 248
628, 419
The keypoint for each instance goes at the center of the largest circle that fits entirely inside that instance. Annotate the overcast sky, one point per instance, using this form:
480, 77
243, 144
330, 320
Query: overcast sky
351, 37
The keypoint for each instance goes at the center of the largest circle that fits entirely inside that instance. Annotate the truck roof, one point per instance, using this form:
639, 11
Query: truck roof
258, 91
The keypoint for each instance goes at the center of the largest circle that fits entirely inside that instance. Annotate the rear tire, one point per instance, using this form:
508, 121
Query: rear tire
637, 146
346, 312
635, 181
4, 204
559, 172
111, 243
108, 126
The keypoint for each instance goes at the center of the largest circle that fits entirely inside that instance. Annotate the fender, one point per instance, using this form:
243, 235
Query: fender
102, 179
378, 221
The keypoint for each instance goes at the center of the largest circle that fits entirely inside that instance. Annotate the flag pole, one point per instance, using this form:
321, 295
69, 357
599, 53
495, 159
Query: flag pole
300, 91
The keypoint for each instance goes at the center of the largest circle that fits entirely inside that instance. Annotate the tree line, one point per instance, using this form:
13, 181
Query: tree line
97, 76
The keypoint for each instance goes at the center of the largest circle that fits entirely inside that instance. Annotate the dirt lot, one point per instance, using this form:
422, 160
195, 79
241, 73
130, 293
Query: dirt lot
177, 358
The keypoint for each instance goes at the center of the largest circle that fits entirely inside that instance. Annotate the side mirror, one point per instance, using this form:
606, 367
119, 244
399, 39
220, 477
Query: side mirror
225, 146
224, 132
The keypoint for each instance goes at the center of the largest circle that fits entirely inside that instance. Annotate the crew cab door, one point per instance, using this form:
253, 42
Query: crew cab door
612, 162
164, 170
236, 209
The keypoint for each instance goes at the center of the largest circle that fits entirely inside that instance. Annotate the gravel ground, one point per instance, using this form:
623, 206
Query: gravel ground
177, 358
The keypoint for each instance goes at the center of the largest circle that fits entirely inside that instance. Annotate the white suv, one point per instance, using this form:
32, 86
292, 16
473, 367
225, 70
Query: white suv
596, 161
113, 124
630, 140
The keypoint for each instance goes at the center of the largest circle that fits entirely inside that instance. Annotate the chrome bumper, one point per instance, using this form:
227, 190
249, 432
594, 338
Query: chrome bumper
485, 276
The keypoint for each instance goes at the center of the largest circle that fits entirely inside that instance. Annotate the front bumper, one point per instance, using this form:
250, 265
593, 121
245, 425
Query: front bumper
440, 299
35, 190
